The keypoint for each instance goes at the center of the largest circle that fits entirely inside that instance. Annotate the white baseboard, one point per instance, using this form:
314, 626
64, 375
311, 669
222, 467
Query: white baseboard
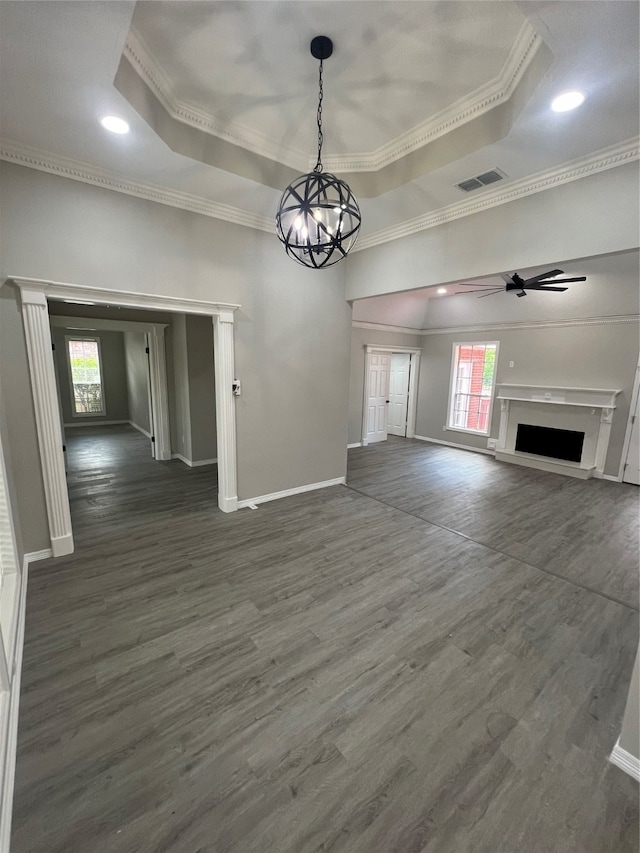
93, 422
355, 444
227, 504
182, 458
274, 496
625, 761
193, 464
62, 545
34, 556
484, 450
140, 429
11, 707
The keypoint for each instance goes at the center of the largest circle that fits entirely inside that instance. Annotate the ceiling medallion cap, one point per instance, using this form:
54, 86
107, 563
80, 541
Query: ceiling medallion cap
321, 47
318, 220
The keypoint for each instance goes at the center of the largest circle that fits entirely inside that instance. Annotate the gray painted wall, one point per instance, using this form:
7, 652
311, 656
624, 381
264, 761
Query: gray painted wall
201, 379
10, 482
603, 356
596, 215
181, 427
19, 440
292, 332
359, 339
114, 377
630, 734
137, 372
611, 289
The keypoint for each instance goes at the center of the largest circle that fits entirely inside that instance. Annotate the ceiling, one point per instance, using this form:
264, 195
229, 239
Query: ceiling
221, 97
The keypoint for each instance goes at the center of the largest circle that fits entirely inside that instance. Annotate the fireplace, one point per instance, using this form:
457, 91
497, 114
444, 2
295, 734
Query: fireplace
560, 429
546, 441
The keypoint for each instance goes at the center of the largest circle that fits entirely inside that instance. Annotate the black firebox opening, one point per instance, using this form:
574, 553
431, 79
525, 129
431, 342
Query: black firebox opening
544, 441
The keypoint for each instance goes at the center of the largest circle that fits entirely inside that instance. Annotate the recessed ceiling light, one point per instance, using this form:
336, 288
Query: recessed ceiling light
442, 290
567, 101
114, 124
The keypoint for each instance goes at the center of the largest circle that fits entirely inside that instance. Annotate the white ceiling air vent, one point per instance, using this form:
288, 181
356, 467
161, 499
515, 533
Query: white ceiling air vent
482, 180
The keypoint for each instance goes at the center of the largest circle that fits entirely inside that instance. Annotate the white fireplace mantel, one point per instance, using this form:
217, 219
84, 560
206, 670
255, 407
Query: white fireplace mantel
598, 398
540, 398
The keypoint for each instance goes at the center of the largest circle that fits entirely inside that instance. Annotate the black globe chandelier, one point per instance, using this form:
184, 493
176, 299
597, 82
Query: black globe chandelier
318, 218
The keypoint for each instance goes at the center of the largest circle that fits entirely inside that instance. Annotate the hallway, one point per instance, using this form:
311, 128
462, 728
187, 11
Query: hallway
327, 672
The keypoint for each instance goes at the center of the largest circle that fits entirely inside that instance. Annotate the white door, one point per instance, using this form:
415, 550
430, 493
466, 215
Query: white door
398, 393
377, 399
632, 466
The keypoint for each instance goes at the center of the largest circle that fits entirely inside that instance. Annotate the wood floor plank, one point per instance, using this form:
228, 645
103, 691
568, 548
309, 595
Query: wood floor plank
390, 667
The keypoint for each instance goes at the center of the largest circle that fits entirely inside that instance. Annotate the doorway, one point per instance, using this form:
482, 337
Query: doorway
390, 392
34, 294
131, 369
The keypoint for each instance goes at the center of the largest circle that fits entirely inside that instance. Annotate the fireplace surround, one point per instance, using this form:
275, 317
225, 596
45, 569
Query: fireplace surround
545, 408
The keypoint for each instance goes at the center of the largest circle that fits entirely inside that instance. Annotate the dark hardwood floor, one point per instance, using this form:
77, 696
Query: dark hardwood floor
584, 531
394, 667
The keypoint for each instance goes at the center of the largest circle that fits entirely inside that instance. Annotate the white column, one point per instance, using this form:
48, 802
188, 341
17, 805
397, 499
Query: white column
159, 397
225, 411
43, 387
504, 420
606, 419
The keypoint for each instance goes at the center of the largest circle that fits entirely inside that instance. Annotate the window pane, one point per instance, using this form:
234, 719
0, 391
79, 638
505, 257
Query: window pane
84, 359
474, 376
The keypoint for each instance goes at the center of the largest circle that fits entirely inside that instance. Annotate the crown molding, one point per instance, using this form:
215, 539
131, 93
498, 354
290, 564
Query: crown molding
599, 161
614, 320
383, 327
88, 174
606, 158
151, 72
487, 97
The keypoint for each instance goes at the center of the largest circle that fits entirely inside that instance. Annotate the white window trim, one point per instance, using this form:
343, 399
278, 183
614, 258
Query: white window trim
452, 378
83, 415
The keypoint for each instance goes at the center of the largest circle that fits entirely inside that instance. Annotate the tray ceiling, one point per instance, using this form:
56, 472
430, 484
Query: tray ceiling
221, 99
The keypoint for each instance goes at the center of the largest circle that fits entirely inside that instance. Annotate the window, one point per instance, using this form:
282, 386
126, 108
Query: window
86, 376
472, 380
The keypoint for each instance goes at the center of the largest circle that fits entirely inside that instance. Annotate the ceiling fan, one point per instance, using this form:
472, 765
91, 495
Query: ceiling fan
521, 285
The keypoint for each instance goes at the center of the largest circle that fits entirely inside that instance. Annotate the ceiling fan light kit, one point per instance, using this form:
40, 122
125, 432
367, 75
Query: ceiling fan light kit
318, 218
545, 282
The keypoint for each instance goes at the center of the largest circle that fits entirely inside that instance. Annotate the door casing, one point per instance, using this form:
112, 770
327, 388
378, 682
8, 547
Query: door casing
414, 368
33, 299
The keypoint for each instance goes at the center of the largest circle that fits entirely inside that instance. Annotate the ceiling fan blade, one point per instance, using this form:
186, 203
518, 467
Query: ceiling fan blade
506, 278
491, 293
542, 275
473, 284
565, 280
542, 288
481, 290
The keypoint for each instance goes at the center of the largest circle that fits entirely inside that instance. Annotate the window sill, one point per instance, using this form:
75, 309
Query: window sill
468, 431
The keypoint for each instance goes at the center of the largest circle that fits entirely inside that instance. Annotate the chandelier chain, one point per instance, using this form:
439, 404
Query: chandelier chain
318, 166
